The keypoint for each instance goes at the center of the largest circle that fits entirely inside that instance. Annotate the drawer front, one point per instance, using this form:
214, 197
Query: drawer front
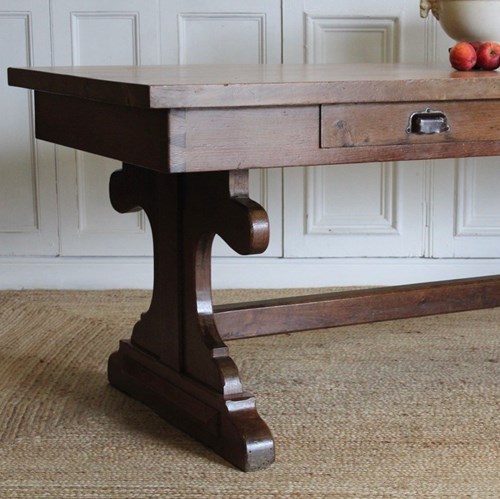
361, 125
267, 137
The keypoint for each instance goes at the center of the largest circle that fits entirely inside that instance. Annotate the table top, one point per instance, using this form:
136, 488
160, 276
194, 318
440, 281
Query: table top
199, 86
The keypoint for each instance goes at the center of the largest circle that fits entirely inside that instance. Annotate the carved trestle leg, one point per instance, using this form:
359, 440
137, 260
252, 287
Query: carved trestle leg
176, 362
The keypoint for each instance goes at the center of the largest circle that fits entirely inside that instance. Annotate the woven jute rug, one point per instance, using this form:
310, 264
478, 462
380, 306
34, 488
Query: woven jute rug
405, 408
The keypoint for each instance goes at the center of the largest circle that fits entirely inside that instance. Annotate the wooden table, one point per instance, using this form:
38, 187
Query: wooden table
187, 136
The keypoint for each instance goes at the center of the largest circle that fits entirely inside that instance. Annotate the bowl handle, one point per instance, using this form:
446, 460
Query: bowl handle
429, 5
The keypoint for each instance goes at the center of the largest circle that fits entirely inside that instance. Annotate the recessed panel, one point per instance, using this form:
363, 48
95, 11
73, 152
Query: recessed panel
94, 207
217, 38
356, 39
18, 193
104, 38
477, 200
100, 38
343, 203
355, 210
350, 199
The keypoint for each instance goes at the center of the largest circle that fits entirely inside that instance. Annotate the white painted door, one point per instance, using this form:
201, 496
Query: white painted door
100, 32
439, 209
230, 32
28, 206
369, 210
448, 210
465, 200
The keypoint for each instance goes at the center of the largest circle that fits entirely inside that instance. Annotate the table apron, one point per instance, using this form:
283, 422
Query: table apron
197, 140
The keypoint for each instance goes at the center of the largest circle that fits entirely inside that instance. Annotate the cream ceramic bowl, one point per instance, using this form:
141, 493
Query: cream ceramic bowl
468, 20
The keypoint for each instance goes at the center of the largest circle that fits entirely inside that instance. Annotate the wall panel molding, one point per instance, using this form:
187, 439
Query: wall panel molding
131, 223
431, 45
26, 18
241, 272
476, 213
26, 220
79, 18
360, 218
322, 30
203, 20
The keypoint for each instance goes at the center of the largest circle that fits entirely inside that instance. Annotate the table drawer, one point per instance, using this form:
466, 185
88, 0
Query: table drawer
359, 125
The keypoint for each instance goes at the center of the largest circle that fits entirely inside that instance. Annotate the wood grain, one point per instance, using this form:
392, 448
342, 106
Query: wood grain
138, 136
259, 85
351, 125
228, 139
286, 315
176, 362
200, 120
259, 116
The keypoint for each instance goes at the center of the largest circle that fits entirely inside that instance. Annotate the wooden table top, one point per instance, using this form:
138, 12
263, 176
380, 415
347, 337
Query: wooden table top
187, 86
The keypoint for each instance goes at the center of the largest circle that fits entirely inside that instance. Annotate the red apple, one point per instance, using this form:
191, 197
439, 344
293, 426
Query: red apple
488, 56
463, 56
476, 45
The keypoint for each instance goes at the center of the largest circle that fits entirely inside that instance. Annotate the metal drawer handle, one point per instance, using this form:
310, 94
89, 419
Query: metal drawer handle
427, 122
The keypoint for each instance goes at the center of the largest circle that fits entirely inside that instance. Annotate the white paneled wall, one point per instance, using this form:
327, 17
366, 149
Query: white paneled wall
348, 224
369, 210
465, 208
28, 221
230, 32
372, 210
100, 32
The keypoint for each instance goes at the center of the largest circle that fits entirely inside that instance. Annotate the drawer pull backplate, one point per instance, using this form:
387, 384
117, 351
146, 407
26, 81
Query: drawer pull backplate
427, 122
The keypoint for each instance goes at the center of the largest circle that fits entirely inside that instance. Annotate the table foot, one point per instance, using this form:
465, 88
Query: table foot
176, 362
229, 425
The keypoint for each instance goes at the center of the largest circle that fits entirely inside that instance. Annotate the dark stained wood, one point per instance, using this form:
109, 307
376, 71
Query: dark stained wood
287, 315
133, 135
176, 362
230, 425
192, 133
192, 119
226, 139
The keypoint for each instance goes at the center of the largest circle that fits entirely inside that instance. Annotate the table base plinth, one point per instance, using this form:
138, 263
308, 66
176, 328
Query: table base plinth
229, 425
176, 362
